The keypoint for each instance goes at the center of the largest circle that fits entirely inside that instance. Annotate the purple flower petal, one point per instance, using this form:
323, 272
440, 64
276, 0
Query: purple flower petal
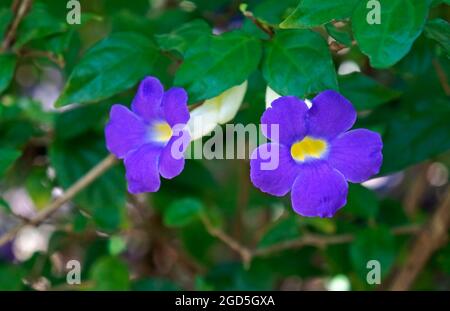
171, 162
330, 115
278, 180
147, 102
319, 190
142, 169
357, 154
124, 132
288, 112
175, 106
7, 253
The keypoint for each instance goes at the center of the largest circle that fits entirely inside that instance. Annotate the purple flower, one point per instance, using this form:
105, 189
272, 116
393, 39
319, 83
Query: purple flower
6, 252
317, 154
151, 138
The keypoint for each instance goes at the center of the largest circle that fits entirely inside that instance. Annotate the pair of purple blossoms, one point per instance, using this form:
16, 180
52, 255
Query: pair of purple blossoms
317, 154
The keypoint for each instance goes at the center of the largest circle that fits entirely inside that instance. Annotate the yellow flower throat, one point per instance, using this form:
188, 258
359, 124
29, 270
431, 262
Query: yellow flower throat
162, 132
308, 147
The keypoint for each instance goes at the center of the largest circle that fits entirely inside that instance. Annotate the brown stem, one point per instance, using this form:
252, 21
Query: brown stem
416, 191
71, 192
324, 240
22, 10
247, 254
432, 237
336, 46
264, 27
243, 251
15, 6
310, 239
242, 200
442, 76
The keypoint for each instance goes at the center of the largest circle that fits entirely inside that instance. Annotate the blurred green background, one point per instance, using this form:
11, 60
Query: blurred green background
179, 238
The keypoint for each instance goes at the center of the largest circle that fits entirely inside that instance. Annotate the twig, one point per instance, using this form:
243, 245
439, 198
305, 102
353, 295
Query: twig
85, 285
324, 240
431, 238
261, 25
82, 183
336, 46
247, 254
310, 239
243, 251
442, 76
242, 200
15, 6
416, 191
22, 10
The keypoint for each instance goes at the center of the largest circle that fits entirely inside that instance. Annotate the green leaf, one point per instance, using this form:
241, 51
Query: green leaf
137, 6
391, 213
39, 187
7, 158
166, 21
16, 134
110, 273
270, 12
386, 43
232, 276
310, 13
41, 259
80, 222
323, 225
438, 2
117, 245
439, 30
373, 244
105, 197
412, 139
284, 230
298, 62
182, 212
113, 65
181, 38
364, 92
74, 122
208, 5
419, 60
197, 241
126, 21
4, 206
57, 44
11, 277
38, 24
361, 202
214, 64
155, 284
20, 113
442, 259
202, 285
7, 67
